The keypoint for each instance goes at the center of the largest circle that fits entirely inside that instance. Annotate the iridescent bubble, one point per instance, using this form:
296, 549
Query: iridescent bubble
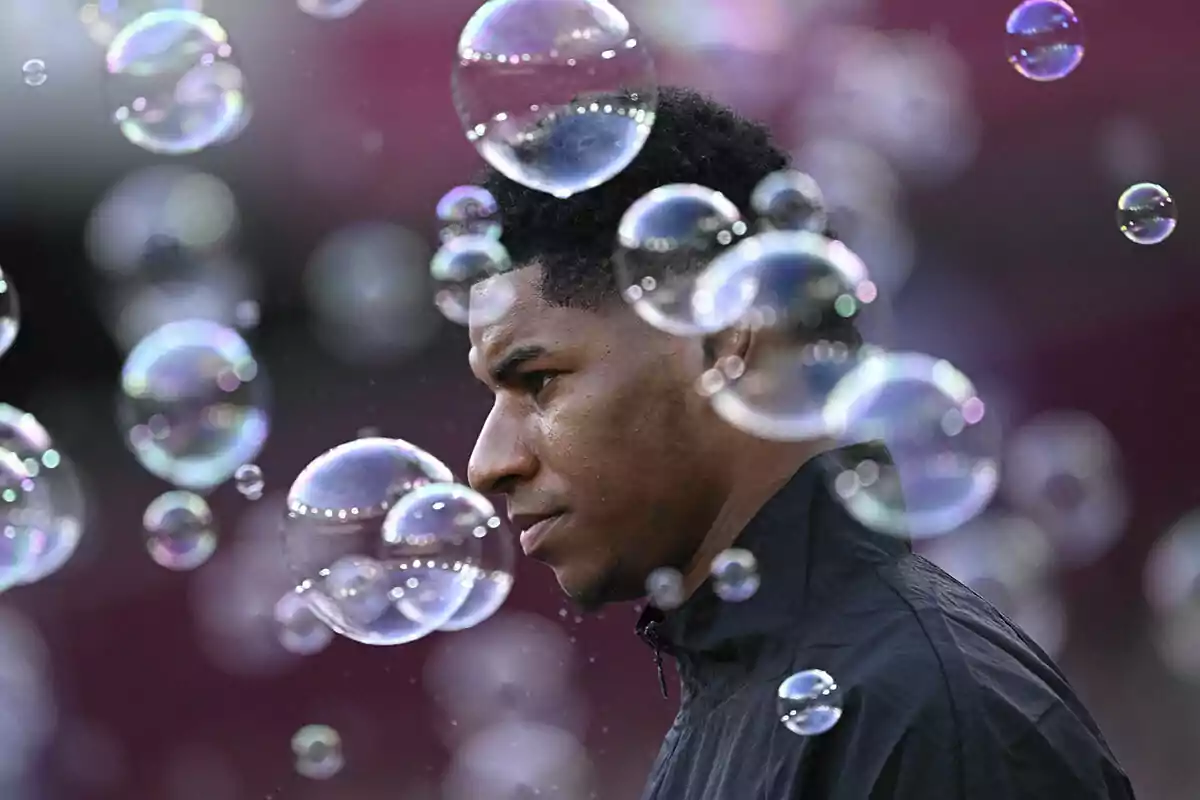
497, 554
558, 95
944, 445
1146, 213
735, 575
458, 266
803, 298
468, 211
33, 72
193, 403
318, 752
173, 84
61, 509
18, 540
663, 241
363, 509
300, 631
664, 587
329, 9
249, 481
1044, 39
789, 200
810, 702
104, 19
180, 534
10, 313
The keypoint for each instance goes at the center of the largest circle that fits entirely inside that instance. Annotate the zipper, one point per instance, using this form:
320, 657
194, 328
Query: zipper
650, 636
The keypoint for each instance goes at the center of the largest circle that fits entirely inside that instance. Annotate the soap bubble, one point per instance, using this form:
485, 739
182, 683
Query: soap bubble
945, 446
318, 752
558, 95
463, 262
249, 480
10, 313
193, 403
361, 518
810, 702
497, 556
180, 534
59, 513
1044, 39
33, 72
468, 211
804, 298
664, 587
19, 541
735, 575
1146, 213
175, 89
299, 629
664, 239
789, 200
329, 9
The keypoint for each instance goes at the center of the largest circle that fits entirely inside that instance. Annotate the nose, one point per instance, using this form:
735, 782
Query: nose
501, 458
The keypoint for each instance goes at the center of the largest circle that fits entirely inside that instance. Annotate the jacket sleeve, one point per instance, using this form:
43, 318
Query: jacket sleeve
933, 756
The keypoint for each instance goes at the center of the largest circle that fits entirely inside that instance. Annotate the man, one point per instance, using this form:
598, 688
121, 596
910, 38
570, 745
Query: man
613, 466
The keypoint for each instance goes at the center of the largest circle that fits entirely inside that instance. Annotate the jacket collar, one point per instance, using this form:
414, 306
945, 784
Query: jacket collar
805, 544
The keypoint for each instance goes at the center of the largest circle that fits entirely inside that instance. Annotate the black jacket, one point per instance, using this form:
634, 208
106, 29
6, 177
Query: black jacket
944, 698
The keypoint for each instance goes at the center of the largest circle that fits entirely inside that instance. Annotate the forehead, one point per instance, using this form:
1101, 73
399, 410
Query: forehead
508, 310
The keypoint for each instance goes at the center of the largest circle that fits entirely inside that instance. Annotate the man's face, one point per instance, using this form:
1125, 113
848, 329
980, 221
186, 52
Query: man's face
606, 455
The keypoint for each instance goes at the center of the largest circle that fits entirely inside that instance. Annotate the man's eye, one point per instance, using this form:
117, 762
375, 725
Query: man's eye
536, 381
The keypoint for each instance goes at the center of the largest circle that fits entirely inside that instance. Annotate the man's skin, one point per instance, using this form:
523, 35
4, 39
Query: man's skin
596, 419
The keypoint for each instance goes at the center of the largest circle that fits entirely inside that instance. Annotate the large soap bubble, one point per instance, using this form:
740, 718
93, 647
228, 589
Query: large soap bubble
558, 95
371, 550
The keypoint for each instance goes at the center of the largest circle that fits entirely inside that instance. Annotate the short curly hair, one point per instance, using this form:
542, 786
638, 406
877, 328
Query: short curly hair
694, 140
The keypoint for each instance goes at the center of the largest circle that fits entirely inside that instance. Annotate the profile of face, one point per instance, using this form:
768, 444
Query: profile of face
611, 464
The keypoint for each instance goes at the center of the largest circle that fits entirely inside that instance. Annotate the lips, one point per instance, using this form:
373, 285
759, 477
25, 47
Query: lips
534, 528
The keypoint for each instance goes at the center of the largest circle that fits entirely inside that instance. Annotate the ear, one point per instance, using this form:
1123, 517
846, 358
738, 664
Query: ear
731, 343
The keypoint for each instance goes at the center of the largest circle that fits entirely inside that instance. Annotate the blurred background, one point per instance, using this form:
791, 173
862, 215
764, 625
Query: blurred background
982, 202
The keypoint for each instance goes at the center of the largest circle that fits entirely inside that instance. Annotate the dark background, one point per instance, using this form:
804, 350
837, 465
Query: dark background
1020, 276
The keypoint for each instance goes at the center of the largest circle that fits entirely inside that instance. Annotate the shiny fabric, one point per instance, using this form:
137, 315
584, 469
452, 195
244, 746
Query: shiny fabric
944, 698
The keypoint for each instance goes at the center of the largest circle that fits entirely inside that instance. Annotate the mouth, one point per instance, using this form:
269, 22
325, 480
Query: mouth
534, 529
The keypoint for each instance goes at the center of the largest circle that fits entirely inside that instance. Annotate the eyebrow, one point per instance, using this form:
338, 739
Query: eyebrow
505, 369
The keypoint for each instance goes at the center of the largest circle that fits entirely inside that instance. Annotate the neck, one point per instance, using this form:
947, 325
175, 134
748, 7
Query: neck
765, 468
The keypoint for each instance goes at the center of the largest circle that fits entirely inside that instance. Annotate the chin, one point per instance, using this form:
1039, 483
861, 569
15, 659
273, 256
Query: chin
591, 592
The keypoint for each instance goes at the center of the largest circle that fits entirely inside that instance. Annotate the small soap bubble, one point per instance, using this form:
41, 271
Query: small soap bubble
735, 575
810, 702
318, 752
663, 241
664, 587
329, 9
173, 84
558, 95
179, 529
806, 300
1044, 39
789, 200
460, 264
944, 446
249, 481
10, 313
362, 518
193, 403
468, 211
1146, 213
299, 629
34, 72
